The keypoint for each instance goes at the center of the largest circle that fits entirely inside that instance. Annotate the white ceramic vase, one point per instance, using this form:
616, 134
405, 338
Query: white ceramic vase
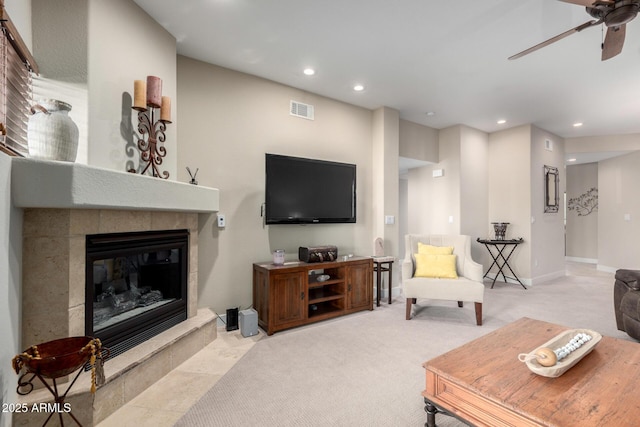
51, 133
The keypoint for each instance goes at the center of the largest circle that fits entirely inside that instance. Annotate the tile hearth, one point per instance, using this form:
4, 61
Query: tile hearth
188, 383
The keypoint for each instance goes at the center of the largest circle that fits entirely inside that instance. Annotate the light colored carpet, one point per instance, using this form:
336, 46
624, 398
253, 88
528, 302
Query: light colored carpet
365, 369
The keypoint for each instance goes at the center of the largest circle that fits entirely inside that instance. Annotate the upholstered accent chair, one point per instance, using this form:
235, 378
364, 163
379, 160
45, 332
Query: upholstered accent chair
423, 277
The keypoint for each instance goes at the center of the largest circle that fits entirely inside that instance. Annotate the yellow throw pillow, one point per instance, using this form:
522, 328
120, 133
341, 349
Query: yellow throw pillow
434, 250
436, 266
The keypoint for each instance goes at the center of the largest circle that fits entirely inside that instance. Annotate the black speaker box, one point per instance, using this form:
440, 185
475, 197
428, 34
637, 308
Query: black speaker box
232, 319
317, 253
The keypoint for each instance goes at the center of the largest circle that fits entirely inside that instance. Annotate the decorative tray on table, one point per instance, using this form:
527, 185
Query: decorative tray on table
555, 344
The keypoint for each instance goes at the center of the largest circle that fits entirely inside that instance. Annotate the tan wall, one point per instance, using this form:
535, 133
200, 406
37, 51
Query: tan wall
418, 142
20, 13
510, 190
589, 144
582, 229
547, 229
11, 248
10, 286
617, 189
433, 201
228, 121
89, 53
125, 44
386, 180
460, 195
474, 189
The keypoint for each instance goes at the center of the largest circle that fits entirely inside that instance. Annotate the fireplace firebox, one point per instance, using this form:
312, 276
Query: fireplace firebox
136, 285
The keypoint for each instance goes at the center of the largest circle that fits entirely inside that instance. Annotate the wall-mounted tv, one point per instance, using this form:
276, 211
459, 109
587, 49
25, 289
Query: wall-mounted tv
308, 191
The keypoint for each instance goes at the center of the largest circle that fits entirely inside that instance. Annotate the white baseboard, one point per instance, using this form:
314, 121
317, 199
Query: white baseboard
491, 276
384, 292
547, 277
606, 269
583, 260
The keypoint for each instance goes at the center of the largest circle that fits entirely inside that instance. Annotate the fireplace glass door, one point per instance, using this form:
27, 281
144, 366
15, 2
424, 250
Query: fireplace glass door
136, 285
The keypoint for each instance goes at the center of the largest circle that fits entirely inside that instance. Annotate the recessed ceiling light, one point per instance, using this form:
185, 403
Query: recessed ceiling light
502, 121
358, 88
430, 113
577, 125
573, 159
309, 71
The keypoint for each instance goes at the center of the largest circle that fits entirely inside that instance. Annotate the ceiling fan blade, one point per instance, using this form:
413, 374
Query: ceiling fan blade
585, 3
613, 41
555, 39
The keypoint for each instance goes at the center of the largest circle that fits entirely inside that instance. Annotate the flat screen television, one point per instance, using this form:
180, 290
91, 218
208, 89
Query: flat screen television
308, 191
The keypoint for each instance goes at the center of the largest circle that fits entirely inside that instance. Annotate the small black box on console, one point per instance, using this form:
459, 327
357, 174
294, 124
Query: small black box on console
317, 253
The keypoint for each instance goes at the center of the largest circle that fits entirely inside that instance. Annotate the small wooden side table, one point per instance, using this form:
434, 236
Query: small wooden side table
382, 264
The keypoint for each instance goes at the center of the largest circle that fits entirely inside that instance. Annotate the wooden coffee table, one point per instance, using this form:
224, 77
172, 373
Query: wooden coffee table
483, 382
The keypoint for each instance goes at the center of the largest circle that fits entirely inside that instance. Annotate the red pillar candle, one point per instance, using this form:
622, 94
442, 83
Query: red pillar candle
154, 91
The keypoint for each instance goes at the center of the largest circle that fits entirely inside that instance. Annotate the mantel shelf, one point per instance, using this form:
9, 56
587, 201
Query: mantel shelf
66, 185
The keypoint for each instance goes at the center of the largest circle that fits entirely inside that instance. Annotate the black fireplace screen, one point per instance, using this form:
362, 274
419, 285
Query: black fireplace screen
136, 285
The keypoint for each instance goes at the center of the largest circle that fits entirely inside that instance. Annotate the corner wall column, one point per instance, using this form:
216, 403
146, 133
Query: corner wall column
386, 141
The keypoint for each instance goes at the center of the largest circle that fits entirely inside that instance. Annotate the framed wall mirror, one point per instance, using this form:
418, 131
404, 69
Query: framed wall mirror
551, 189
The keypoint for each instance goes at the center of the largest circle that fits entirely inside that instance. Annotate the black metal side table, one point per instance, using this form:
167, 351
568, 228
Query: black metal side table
499, 259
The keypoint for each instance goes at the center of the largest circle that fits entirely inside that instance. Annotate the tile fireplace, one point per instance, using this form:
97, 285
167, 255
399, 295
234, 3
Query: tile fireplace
66, 209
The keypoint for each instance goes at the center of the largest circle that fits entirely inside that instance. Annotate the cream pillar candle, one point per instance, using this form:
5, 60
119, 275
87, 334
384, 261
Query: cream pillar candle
154, 91
165, 109
139, 94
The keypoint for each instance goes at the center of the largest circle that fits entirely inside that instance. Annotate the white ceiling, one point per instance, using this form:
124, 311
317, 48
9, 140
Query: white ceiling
448, 57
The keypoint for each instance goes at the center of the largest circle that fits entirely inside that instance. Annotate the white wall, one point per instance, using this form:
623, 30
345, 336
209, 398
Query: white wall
228, 121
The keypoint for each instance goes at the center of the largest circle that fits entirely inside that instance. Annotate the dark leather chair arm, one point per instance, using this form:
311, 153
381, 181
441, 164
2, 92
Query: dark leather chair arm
631, 278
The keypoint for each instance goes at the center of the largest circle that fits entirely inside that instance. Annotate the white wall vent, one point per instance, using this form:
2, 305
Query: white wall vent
299, 109
548, 145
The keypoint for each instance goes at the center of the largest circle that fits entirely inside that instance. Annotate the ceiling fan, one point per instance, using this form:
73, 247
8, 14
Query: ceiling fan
614, 14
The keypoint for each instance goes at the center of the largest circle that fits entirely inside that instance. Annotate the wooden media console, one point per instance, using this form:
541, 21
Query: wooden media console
290, 295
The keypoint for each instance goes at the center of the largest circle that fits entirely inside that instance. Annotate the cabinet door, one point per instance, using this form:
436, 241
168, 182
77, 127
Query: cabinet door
288, 298
359, 286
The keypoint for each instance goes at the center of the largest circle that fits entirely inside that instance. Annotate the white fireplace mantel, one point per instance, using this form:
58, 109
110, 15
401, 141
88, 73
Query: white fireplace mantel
65, 185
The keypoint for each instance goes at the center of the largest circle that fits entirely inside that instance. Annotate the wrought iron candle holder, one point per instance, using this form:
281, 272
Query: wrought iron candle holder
149, 102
